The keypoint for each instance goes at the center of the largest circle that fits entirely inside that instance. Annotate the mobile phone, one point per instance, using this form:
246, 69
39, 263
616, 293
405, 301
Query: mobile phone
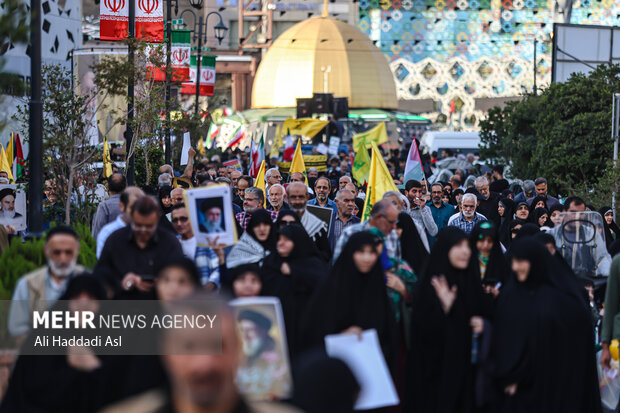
147, 277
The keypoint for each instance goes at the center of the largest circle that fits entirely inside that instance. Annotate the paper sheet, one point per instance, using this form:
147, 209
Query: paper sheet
367, 363
321, 148
186, 145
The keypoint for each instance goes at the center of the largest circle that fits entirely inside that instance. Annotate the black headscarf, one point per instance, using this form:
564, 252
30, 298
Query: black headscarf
539, 212
497, 267
508, 205
304, 247
413, 250
359, 203
284, 213
164, 192
610, 229
351, 298
262, 216
233, 273
537, 200
440, 357
528, 229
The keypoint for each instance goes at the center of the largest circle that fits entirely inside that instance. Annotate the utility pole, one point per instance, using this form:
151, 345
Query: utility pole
129, 167
35, 122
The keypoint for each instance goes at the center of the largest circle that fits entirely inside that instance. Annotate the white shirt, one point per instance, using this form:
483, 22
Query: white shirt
107, 230
455, 216
189, 247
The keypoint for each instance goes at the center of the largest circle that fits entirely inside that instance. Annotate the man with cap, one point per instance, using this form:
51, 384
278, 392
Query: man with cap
529, 191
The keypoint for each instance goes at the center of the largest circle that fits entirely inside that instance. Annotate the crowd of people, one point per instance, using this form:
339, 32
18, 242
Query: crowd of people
466, 282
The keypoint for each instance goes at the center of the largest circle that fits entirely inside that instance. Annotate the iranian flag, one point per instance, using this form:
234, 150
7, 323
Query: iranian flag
258, 156
289, 149
212, 135
179, 58
114, 20
18, 162
207, 77
238, 136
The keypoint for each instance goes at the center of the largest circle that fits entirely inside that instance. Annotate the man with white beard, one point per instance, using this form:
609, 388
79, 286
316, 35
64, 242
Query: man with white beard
40, 288
468, 218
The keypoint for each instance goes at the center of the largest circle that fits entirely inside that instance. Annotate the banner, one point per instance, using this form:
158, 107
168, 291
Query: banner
114, 20
304, 126
207, 77
179, 58
311, 161
379, 181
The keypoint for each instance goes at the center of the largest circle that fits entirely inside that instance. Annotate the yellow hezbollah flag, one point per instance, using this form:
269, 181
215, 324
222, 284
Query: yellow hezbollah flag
361, 166
201, 147
378, 135
9, 151
275, 145
304, 126
379, 181
4, 165
297, 164
260, 181
107, 163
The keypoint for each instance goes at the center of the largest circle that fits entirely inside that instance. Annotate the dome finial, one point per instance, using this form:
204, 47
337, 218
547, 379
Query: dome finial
325, 12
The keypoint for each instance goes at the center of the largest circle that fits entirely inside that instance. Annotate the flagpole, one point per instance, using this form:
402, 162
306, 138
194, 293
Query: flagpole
129, 167
35, 187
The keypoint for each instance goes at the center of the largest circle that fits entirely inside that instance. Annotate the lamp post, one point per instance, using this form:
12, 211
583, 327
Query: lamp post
220, 30
168, 71
35, 163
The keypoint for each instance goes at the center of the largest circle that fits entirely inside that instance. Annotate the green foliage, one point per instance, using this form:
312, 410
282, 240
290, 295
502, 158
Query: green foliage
155, 156
562, 134
21, 258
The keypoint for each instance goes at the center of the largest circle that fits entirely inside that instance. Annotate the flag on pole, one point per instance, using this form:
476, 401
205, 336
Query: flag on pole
234, 163
378, 135
237, 137
379, 181
179, 58
289, 149
114, 20
257, 154
18, 164
297, 164
211, 135
413, 167
277, 142
201, 147
4, 164
361, 166
107, 162
260, 181
207, 77
304, 127
9, 151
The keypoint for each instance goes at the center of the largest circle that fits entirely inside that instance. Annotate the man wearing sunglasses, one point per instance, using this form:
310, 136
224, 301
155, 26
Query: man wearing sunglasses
180, 221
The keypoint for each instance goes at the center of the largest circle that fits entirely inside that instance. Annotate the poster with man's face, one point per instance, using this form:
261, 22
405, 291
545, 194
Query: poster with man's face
13, 208
264, 371
211, 214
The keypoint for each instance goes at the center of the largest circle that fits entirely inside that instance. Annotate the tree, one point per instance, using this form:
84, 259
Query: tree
562, 134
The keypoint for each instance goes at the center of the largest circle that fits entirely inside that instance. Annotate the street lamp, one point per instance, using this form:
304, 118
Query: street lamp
220, 30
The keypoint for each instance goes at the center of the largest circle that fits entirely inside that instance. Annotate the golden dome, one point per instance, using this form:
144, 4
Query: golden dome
294, 67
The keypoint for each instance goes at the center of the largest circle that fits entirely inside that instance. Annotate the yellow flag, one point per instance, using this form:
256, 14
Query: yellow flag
379, 181
201, 147
378, 135
4, 165
361, 166
304, 126
107, 162
277, 142
9, 151
297, 164
260, 181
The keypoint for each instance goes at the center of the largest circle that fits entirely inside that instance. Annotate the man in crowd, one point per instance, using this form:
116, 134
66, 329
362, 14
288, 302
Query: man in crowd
383, 216
201, 380
297, 193
529, 191
488, 200
277, 197
244, 182
313, 173
455, 182
541, 190
468, 218
498, 183
234, 178
299, 177
38, 289
353, 188
421, 215
322, 189
272, 177
132, 255
253, 200
343, 181
128, 197
177, 196
441, 211
183, 227
108, 210
344, 216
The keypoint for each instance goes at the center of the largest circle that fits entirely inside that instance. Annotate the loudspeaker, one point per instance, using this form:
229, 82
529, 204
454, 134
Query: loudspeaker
341, 108
323, 102
305, 107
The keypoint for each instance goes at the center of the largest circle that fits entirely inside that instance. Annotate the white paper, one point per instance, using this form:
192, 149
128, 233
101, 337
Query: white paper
186, 145
366, 361
321, 148
334, 143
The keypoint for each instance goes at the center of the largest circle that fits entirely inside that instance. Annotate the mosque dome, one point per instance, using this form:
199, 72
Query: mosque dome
296, 64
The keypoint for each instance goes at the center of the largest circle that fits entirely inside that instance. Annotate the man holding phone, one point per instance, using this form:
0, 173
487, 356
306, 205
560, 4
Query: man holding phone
420, 214
133, 254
